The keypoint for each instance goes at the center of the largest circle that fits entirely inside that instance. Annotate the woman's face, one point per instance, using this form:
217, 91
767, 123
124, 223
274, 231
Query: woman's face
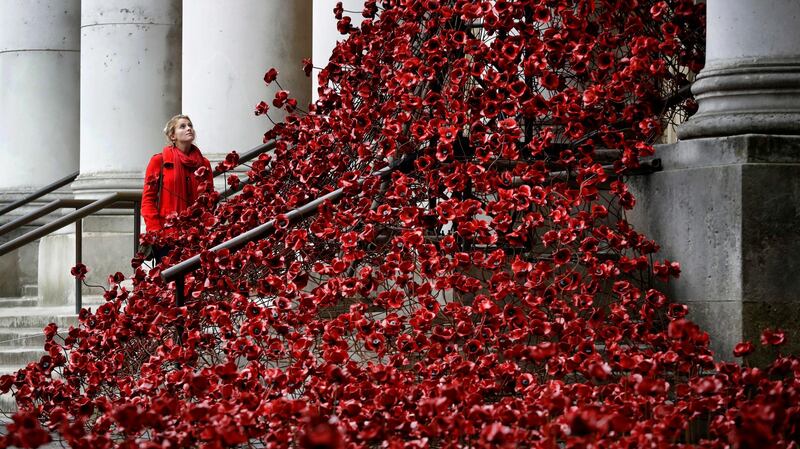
184, 132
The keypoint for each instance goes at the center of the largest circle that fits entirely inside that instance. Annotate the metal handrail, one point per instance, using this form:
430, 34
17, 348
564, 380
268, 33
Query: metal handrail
79, 203
84, 208
251, 154
245, 157
178, 272
80, 213
63, 203
39, 193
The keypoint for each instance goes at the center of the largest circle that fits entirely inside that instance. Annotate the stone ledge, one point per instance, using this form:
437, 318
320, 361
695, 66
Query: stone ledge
732, 150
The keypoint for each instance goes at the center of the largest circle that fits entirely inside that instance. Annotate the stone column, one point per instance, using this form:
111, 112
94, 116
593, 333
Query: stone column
39, 106
751, 81
727, 205
130, 85
227, 48
325, 33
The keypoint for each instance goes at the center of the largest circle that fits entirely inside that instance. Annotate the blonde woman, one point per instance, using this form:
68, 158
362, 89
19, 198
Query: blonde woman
170, 185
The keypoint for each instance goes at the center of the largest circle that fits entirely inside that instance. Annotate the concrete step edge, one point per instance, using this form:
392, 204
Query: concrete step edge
9, 369
19, 302
21, 330
21, 349
19, 322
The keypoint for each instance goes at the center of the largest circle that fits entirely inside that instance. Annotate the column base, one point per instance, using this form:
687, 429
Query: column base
95, 185
749, 96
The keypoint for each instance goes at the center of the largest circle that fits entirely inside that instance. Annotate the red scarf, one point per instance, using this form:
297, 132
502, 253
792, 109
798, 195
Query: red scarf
180, 185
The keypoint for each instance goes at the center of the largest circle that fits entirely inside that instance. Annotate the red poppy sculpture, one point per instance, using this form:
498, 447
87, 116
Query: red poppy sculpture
470, 281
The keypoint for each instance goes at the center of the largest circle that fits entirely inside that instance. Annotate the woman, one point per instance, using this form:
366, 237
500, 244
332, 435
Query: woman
170, 185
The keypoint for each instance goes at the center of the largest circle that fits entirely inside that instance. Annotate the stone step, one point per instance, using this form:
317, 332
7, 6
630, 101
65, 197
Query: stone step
30, 290
20, 356
7, 403
9, 369
22, 321
23, 336
37, 317
5, 418
32, 315
24, 301
7, 406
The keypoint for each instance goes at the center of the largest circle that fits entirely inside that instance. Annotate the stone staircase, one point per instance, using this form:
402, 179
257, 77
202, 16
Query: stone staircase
22, 321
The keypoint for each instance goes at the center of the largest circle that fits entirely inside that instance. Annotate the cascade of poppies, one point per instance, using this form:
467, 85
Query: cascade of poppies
487, 291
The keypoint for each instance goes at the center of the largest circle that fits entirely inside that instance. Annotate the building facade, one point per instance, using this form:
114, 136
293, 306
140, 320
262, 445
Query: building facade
87, 86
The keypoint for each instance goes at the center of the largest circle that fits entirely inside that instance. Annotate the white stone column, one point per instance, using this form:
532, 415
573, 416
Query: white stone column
751, 81
39, 69
130, 86
228, 46
39, 107
726, 204
326, 35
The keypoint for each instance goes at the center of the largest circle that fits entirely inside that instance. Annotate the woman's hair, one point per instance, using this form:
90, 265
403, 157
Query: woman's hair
169, 129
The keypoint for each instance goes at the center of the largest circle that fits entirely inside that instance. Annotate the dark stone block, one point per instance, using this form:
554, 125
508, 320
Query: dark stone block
728, 209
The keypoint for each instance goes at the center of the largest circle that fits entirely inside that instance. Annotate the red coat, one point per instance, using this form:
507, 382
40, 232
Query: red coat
176, 194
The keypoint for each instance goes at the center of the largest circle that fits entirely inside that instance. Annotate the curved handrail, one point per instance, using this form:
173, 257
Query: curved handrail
39, 193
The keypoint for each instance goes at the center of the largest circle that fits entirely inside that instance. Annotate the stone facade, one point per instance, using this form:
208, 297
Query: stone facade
727, 204
106, 75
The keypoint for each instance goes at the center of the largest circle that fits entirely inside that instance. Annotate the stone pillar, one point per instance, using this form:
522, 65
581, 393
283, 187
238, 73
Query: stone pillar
326, 35
130, 85
227, 48
727, 204
751, 81
39, 106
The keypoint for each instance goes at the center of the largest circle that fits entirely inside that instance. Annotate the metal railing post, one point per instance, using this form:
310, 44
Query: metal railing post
78, 260
137, 225
84, 208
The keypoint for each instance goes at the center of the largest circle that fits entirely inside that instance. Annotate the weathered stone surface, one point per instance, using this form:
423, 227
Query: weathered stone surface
130, 84
693, 213
752, 74
107, 248
39, 99
757, 316
9, 274
723, 322
728, 209
227, 48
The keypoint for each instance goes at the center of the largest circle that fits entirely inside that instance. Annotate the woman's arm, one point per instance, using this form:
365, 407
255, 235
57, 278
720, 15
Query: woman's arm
153, 221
